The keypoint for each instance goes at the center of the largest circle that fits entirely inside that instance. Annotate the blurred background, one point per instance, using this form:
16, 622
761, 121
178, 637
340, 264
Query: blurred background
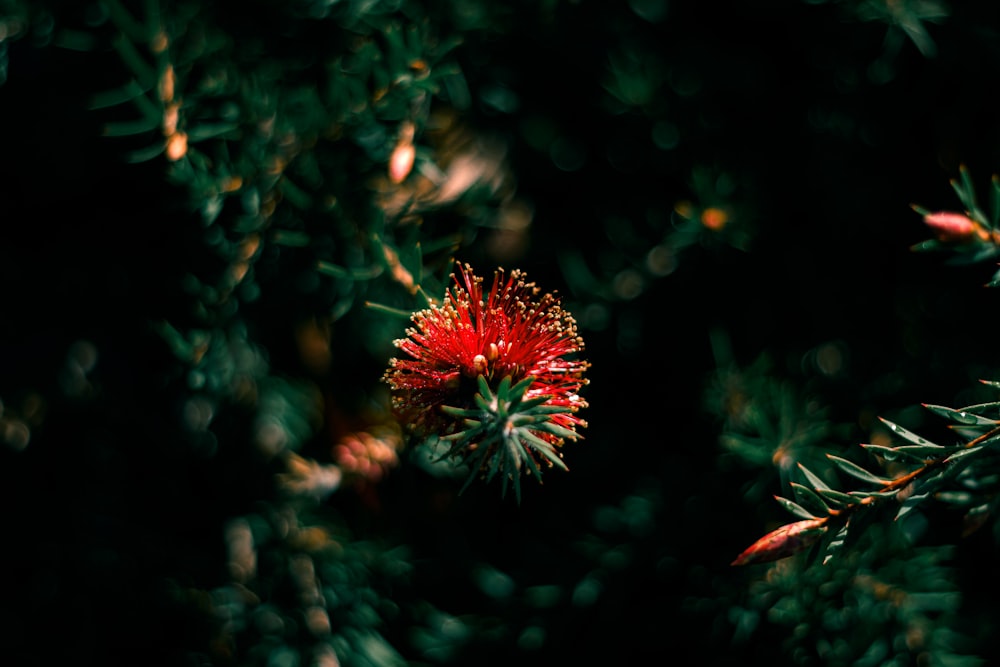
197, 466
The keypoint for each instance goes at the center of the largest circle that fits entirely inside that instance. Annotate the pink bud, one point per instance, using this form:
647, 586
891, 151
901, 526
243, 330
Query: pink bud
951, 226
785, 541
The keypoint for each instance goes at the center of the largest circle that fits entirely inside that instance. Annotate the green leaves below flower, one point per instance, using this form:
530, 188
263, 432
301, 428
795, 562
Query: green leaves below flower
506, 432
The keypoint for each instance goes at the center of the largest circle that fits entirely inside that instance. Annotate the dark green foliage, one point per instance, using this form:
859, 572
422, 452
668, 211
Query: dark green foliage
215, 218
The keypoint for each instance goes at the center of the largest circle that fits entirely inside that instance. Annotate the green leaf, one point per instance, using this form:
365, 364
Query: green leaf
484, 387
927, 246
962, 453
896, 453
965, 190
973, 254
954, 497
980, 408
388, 310
459, 412
126, 50
298, 197
209, 130
556, 430
521, 387
290, 238
817, 483
485, 404
542, 446
810, 498
529, 460
959, 416
910, 503
874, 494
925, 451
795, 508
904, 433
835, 545
125, 22
857, 471
839, 496
120, 95
128, 128
503, 391
350, 274
536, 406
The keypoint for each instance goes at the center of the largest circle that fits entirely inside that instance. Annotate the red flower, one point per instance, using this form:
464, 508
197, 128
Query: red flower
508, 331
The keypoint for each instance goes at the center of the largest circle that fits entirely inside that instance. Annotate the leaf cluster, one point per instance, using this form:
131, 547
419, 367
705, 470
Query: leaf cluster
506, 431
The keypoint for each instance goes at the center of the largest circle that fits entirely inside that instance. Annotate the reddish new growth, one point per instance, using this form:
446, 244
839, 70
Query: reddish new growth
507, 331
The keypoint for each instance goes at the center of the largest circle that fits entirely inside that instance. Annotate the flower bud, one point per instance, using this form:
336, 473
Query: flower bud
951, 227
785, 541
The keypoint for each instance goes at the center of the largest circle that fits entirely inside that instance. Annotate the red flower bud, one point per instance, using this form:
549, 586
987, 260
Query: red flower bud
785, 541
951, 227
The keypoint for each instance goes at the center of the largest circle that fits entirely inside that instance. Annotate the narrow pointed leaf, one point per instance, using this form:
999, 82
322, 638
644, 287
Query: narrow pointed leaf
485, 404
556, 430
904, 433
927, 246
838, 496
817, 483
959, 416
962, 453
925, 451
521, 387
529, 460
857, 471
910, 503
982, 409
540, 409
129, 127
894, 453
795, 508
116, 96
543, 447
503, 391
975, 519
208, 130
836, 544
388, 310
484, 387
351, 274
874, 494
965, 190
460, 412
810, 499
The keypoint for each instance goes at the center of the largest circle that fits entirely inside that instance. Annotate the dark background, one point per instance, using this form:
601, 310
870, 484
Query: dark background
827, 133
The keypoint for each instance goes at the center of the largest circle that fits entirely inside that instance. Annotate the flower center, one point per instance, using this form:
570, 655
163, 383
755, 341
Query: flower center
483, 364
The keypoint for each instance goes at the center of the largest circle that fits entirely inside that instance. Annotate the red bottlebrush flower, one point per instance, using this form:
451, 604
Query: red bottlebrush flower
508, 332
783, 542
